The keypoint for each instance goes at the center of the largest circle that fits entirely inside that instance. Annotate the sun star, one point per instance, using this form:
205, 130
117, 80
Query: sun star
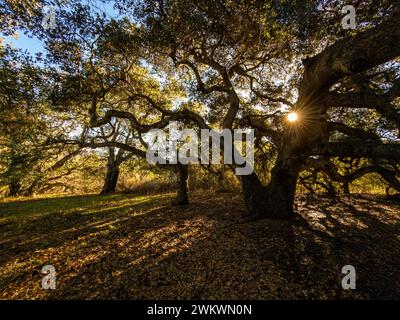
292, 117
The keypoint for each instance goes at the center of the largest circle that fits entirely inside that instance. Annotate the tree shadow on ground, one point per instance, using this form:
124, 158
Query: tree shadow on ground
206, 251
352, 230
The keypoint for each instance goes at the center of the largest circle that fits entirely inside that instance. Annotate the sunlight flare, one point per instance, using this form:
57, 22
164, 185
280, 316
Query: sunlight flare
292, 117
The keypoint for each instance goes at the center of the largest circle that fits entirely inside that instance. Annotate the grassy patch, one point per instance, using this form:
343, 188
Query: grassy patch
16, 209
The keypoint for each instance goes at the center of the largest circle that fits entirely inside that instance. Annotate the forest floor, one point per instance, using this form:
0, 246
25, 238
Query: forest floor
140, 247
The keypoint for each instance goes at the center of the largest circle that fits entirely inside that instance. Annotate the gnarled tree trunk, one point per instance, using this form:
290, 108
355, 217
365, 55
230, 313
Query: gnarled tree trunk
182, 197
254, 195
346, 187
14, 188
111, 178
281, 190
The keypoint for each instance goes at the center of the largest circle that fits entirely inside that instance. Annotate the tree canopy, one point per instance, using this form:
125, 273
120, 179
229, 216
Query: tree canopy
210, 65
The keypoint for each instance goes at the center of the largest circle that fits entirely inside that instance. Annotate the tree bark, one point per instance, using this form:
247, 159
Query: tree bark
346, 188
182, 197
254, 194
111, 179
14, 188
282, 188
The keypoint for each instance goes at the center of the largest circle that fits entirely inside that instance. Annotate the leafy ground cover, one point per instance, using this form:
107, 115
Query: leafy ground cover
135, 247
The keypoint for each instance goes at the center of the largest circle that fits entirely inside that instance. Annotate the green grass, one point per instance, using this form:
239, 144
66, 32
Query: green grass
17, 209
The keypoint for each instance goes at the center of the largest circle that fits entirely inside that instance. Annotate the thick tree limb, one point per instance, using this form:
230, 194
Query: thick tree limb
184, 114
381, 103
352, 132
325, 165
357, 149
350, 56
126, 147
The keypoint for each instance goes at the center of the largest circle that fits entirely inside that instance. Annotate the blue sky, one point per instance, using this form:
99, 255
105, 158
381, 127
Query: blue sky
34, 45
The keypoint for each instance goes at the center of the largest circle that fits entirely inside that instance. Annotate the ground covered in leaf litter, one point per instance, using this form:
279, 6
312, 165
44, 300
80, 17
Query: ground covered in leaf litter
130, 247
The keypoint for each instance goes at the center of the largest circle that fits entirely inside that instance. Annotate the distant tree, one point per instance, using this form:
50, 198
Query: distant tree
117, 132
27, 160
